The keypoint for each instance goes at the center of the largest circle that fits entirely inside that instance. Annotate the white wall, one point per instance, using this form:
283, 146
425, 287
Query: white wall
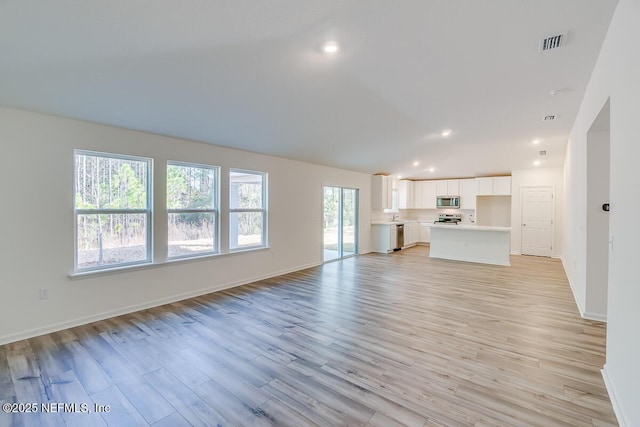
36, 179
543, 177
493, 210
616, 76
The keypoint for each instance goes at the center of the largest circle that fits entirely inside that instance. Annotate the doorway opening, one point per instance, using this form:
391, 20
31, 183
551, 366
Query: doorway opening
339, 223
597, 236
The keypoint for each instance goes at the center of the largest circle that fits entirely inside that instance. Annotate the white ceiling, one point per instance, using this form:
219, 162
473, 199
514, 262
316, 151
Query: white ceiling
250, 74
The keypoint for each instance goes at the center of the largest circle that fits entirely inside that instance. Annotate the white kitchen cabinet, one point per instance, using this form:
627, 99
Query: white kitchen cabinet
383, 237
448, 187
381, 192
424, 194
494, 186
407, 236
502, 186
424, 233
453, 187
468, 192
416, 232
411, 233
429, 190
405, 194
485, 186
417, 194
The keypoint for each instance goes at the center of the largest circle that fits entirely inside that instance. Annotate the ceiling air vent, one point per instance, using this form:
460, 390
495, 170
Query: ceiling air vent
549, 118
552, 42
542, 152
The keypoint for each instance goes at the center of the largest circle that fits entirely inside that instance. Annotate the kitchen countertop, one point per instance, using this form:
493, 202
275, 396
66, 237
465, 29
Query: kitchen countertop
459, 226
401, 221
470, 226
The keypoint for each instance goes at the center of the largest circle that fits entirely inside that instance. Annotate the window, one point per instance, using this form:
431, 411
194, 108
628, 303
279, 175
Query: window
192, 209
112, 209
394, 202
247, 209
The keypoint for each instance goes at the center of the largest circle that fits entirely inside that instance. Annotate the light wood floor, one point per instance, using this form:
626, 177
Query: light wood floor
377, 340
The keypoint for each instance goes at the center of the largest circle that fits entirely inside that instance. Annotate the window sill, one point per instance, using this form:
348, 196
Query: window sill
173, 261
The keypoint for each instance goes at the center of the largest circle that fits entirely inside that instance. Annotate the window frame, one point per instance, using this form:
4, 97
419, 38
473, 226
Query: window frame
264, 210
147, 211
215, 210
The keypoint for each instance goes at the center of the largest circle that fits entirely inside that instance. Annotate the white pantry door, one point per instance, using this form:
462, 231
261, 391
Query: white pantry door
537, 221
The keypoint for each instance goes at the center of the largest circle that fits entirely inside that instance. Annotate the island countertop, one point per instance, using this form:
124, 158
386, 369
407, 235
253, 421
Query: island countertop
468, 226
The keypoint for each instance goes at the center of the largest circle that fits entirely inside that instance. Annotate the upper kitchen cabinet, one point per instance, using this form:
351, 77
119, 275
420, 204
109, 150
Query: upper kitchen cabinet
449, 187
502, 186
453, 187
427, 199
484, 186
405, 194
494, 186
468, 192
381, 192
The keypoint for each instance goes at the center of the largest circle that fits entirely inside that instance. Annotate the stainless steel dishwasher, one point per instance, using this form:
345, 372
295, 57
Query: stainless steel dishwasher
399, 237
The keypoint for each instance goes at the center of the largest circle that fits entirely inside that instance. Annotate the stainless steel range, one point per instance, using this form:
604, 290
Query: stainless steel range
452, 219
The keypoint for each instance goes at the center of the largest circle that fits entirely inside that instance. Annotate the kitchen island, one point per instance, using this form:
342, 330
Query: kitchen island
470, 242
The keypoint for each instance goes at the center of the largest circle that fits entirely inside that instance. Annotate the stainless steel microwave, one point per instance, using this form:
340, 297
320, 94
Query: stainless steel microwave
448, 202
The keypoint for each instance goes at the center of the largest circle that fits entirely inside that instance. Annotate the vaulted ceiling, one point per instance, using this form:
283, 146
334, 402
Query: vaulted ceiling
251, 74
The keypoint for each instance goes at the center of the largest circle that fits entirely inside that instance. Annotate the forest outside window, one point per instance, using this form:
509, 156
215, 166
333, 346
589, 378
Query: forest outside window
192, 209
112, 209
247, 209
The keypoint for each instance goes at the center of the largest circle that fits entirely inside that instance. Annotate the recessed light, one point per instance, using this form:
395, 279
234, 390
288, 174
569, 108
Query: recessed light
446, 132
416, 163
431, 169
330, 47
536, 163
536, 141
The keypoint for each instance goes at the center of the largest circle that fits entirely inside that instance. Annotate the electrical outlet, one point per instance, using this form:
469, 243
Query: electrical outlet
44, 293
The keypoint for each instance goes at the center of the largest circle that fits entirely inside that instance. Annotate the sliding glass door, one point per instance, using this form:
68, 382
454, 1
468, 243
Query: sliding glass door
340, 222
349, 221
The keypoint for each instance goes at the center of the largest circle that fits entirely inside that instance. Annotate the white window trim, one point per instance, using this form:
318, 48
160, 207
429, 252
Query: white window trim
215, 211
148, 211
263, 210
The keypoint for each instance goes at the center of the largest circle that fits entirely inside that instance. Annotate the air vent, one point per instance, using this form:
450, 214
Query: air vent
549, 118
552, 42
542, 152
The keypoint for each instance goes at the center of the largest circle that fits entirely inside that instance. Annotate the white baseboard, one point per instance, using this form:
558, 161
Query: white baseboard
554, 256
579, 303
617, 409
594, 316
581, 308
22, 335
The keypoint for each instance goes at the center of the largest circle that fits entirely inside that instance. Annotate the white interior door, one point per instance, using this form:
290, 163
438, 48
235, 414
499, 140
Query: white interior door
537, 221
